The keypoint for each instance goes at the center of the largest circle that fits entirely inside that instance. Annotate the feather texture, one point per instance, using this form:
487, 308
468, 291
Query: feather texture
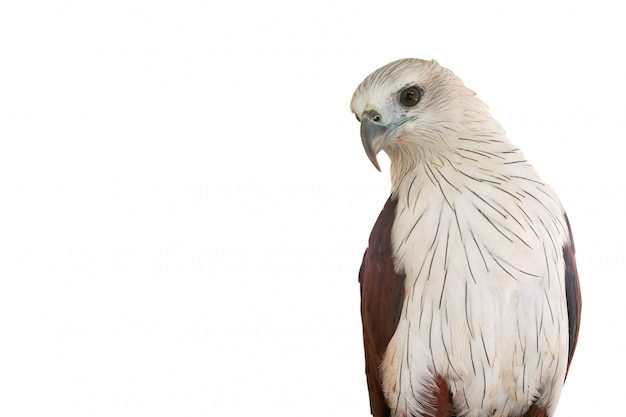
470, 294
382, 291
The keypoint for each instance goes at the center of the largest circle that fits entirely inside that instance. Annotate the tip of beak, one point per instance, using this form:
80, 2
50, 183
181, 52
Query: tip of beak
373, 137
371, 155
375, 162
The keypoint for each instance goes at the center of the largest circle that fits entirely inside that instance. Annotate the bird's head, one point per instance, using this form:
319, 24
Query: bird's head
412, 109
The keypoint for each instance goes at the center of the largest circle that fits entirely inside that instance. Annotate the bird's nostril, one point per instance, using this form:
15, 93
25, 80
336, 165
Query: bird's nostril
376, 118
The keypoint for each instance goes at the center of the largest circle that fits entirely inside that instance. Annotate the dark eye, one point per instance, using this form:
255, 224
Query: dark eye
357, 117
410, 96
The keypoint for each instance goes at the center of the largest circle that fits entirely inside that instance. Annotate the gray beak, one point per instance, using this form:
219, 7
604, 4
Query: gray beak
373, 136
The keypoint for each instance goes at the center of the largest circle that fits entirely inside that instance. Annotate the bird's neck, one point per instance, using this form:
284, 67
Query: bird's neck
466, 158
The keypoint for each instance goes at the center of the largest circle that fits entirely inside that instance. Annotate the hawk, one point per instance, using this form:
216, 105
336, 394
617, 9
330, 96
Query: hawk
470, 298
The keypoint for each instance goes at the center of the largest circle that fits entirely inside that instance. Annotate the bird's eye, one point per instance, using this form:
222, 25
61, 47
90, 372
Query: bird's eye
410, 96
357, 117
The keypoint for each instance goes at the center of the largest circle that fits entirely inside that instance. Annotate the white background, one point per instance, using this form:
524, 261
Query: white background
184, 200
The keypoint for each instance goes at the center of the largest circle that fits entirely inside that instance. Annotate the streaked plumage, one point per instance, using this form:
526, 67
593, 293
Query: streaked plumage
470, 295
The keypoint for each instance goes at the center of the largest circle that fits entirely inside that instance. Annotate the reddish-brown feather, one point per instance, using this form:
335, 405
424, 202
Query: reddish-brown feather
443, 399
572, 293
382, 295
381, 302
535, 411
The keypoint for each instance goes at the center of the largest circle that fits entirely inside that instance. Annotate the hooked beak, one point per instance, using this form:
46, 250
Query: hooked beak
374, 137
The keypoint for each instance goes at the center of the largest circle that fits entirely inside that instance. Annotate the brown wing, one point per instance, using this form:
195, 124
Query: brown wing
572, 293
382, 292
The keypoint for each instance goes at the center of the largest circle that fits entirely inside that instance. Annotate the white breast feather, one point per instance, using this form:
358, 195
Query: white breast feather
480, 240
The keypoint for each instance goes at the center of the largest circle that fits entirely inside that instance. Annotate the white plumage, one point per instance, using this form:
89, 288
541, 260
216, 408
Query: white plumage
479, 239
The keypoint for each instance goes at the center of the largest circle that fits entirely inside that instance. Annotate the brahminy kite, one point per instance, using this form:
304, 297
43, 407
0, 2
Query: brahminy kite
470, 297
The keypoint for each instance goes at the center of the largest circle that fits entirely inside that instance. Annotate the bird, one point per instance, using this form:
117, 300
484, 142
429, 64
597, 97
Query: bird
470, 296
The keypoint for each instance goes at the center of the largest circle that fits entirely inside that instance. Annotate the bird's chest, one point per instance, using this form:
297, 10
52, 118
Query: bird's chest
471, 274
